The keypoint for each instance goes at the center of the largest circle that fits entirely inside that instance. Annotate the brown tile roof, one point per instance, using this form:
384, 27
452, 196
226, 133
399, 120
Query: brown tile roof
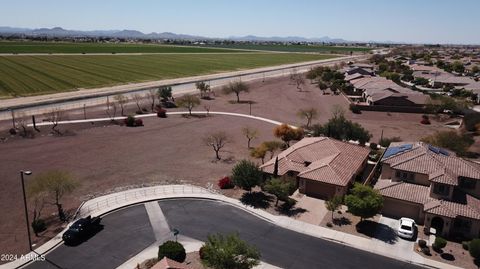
469, 207
442, 167
320, 159
414, 193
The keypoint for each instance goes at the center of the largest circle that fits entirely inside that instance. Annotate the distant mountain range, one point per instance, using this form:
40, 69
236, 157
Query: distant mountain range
60, 32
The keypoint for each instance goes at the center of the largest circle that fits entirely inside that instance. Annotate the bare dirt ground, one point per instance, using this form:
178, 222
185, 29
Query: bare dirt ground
452, 254
103, 156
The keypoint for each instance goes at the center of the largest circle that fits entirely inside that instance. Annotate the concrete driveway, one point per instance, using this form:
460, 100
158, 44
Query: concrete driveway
315, 209
386, 236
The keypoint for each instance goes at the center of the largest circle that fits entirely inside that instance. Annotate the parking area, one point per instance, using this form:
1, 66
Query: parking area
386, 232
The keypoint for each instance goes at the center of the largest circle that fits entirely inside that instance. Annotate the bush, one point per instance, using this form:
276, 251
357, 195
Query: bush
385, 142
439, 243
131, 121
172, 250
225, 183
201, 253
12, 131
426, 251
474, 248
355, 109
329, 224
422, 243
39, 226
161, 113
465, 244
374, 146
425, 120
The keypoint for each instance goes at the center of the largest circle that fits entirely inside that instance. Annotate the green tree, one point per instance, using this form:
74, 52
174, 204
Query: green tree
322, 86
458, 67
204, 89
273, 146
237, 88
172, 250
279, 187
229, 252
259, 152
309, 114
188, 101
450, 140
164, 93
333, 204
364, 201
287, 133
55, 184
246, 175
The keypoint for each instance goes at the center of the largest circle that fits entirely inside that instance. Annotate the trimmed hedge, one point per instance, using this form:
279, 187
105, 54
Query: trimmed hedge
172, 250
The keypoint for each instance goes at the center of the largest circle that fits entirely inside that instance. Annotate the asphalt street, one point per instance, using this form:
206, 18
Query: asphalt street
125, 234
128, 231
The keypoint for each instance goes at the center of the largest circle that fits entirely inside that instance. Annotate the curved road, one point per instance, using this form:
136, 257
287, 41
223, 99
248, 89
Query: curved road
128, 231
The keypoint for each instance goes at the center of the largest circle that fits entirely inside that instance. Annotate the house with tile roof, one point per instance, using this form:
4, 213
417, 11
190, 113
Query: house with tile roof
167, 263
322, 166
432, 186
384, 92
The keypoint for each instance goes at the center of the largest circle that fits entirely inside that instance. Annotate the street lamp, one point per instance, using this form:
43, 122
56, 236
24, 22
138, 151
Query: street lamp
25, 206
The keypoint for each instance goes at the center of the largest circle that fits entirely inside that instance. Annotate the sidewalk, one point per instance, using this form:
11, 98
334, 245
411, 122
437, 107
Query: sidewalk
111, 202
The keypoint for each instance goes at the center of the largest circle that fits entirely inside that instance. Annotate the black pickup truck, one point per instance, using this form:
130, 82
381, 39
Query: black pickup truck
81, 230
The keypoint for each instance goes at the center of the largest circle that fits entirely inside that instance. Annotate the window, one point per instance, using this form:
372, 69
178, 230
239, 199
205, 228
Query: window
467, 183
441, 189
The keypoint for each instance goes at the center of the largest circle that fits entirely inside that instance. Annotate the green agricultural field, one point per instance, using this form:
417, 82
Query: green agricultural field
65, 47
35, 75
298, 48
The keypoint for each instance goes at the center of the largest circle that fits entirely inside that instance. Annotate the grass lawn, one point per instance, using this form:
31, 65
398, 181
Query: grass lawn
34, 75
297, 48
67, 47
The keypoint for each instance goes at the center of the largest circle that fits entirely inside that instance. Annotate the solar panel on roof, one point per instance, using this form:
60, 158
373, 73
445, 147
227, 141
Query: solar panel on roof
444, 152
395, 150
433, 149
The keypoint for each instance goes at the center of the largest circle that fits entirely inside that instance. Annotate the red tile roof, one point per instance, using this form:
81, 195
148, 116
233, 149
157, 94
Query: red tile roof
321, 159
167, 263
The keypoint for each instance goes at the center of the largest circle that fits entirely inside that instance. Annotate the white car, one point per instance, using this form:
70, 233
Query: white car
406, 228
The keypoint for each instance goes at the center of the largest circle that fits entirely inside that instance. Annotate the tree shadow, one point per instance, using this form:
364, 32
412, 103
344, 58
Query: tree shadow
256, 199
377, 230
242, 102
290, 212
341, 221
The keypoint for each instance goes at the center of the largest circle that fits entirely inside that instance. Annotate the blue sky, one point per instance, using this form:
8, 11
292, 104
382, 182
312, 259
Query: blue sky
419, 21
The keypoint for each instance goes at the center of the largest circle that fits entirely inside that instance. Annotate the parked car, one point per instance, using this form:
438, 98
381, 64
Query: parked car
406, 228
81, 230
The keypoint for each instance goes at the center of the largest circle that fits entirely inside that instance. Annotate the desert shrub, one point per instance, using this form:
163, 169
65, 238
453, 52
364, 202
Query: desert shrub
172, 250
355, 109
439, 243
474, 248
201, 252
161, 113
373, 146
471, 120
385, 142
465, 245
425, 120
225, 183
39, 226
426, 251
130, 121
138, 122
422, 243
329, 224
12, 131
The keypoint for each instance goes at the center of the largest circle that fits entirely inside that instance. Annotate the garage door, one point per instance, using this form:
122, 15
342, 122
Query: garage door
398, 209
319, 190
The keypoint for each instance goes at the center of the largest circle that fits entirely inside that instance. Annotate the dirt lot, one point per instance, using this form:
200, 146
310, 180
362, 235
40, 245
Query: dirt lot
104, 156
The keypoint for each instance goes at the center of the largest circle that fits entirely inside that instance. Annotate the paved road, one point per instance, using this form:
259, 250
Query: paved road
125, 234
128, 231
